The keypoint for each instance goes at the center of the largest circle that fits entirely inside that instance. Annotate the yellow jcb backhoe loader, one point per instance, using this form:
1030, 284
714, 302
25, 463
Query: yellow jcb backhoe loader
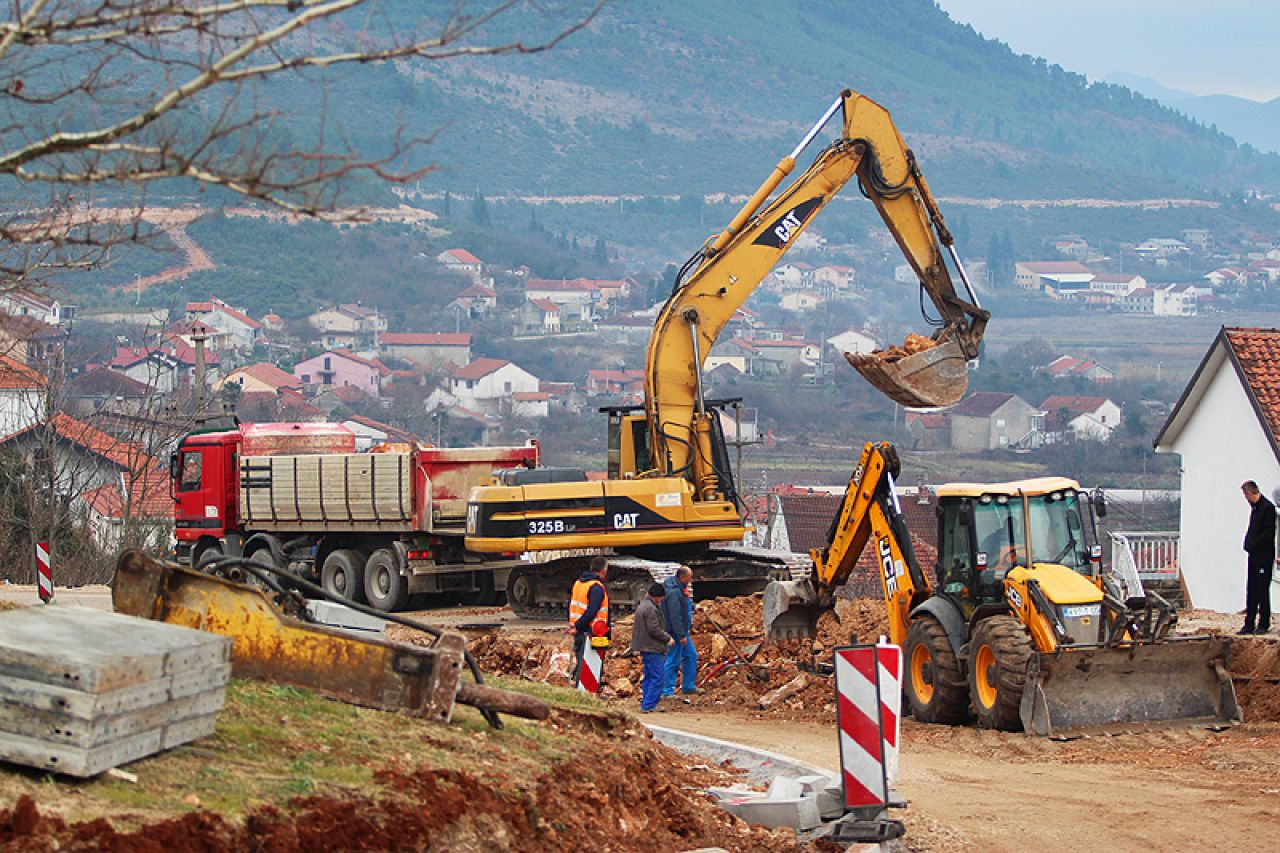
1023, 625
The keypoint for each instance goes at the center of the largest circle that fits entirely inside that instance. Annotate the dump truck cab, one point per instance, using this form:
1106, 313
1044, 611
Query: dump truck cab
204, 482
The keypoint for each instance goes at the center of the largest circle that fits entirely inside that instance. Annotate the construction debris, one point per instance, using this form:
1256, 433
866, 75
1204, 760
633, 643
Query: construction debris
86, 690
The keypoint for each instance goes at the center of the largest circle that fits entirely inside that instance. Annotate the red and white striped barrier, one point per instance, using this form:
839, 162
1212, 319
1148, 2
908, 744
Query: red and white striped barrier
44, 572
592, 668
869, 702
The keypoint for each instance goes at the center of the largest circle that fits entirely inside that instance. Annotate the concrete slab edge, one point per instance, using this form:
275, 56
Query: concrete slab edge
760, 765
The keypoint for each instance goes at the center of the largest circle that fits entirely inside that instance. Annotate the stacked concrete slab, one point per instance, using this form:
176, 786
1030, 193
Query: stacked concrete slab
83, 690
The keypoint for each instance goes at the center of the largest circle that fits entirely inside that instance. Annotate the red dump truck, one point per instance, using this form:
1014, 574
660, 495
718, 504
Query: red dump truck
372, 527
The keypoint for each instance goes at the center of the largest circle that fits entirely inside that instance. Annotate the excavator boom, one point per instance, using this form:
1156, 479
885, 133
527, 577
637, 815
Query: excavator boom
729, 267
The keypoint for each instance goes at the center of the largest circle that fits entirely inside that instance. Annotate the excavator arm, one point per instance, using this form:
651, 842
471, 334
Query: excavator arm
720, 277
868, 513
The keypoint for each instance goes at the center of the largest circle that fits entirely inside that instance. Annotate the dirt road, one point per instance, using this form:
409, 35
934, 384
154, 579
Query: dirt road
981, 790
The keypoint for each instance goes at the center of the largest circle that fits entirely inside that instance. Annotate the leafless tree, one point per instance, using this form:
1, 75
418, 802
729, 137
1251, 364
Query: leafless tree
105, 103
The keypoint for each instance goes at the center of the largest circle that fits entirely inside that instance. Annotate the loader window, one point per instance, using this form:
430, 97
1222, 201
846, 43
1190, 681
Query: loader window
998, 530
1057, 535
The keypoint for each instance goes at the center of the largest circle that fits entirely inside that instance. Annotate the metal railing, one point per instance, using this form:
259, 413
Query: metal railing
1151, 555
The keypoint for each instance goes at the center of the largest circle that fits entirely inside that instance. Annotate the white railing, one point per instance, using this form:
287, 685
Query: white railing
1149, 555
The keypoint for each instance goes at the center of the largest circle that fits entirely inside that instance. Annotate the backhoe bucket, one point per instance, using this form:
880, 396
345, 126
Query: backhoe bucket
1179, 682
937, 376
791, 610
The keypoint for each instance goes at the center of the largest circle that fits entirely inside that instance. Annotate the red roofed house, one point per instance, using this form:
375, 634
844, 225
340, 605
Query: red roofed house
164, 368
260, 377
136, 509
428, 349
1082, 418
22, 394
487, 385
348, 326
84, 457
578, 299
461, 261
342, 368
994, 420
30, 340
1068, 367
539, 317
241, 330
614, 381
1226, 428
476, 301
1035, 275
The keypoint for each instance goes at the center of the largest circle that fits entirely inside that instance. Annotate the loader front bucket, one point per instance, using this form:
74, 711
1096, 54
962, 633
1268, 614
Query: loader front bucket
791, 610
1178, 682
937, 376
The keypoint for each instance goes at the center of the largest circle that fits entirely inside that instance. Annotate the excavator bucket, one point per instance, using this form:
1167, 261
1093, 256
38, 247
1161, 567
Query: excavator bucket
791, 610
1078, 692
928, 378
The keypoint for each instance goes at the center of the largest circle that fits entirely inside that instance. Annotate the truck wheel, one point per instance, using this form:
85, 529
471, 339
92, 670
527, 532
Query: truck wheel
384, 586
484, 595
520, 593
935, 685
206, 555
343, 575
1000, 651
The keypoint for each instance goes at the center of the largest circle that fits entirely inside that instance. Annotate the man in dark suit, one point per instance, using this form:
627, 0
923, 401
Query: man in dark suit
1260, 545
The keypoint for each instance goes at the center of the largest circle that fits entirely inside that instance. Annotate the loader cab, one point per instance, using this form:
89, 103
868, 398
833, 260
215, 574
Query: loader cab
983, 532
628, 442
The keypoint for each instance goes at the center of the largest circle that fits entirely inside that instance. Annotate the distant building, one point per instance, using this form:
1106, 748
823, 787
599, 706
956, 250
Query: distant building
993, 420
261, 377
429, 349
342, 368
461, 261
476, 301
1035, 275
239, 330
22, 396
348, 326
801, 300
487, 386
1092, 418
1069, 367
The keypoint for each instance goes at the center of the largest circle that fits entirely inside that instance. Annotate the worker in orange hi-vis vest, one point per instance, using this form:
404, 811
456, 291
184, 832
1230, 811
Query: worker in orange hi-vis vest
589, 605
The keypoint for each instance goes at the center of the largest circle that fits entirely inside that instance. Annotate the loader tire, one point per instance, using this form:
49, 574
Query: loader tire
998, 656
934, 683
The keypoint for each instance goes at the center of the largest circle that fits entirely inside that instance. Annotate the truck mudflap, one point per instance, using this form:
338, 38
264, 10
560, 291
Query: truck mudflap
1077, 692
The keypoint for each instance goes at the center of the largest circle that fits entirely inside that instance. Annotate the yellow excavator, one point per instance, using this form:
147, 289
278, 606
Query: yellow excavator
1023, 625
670, 489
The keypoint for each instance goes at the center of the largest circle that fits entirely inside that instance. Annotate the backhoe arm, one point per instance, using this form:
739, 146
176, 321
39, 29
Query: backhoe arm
729, 267
868, 513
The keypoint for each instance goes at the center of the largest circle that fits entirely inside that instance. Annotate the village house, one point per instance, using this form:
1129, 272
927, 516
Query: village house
140, 505
167, 367
1035, 275
1200, 238
1174, 300
238, 330
794, 275
462, 262
22, 396
30, 340
1141, 300
852, 341
1069, 367
1117, 284
1071, 246
1079, 418
370, 433
777, 355
1161, 249
994, 420
100, 390
1233, 278
429, 350
342, 368
84, 457
476, 301
833, 279
1226, 429
262, 376
801, 300
349, 326
487, 386
614, 381
578, 300
18, 303
539, 317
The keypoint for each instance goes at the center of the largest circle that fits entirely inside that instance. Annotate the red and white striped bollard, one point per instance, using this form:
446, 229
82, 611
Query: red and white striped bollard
44, 572
868, 708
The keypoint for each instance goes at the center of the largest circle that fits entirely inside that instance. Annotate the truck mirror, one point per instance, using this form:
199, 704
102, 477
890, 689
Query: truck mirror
173, 466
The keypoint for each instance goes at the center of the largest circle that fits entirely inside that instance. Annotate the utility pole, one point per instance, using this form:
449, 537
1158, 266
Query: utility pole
199, 336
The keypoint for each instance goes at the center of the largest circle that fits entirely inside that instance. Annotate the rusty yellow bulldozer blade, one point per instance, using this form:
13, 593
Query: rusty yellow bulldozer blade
791, 610
1077, 692
937, 376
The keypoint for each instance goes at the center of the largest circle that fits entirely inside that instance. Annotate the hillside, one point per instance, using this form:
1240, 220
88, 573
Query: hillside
660, 97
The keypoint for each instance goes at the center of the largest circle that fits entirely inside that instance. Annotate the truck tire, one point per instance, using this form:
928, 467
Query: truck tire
343, 575
206, 554
999, 653
384, 587
934, 682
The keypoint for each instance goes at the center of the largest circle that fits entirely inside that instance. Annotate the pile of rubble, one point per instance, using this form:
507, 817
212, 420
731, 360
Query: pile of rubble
736, 667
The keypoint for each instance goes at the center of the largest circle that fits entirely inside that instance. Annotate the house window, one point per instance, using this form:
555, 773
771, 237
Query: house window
506, 387
999, 423
306, 379
327, 363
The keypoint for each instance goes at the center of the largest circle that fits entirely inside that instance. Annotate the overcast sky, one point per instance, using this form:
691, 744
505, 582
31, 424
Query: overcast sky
1204, 47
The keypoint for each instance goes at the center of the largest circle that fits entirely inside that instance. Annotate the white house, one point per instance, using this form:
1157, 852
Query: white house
852, 341
801, 300
1175, 300
21, 304
487, 385
461, 261
1117, 284
1226, 428
241, 330
22, 396
1092, 417
1035, 275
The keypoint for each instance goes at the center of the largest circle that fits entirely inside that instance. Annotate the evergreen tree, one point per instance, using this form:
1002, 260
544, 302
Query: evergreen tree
479, 211
601, 251
448, 204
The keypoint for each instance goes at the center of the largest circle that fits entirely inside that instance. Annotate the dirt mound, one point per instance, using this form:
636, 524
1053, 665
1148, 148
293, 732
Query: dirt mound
614, 801
1255, 669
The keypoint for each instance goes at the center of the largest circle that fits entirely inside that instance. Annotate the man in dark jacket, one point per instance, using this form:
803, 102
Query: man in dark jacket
650, 641
1260, 545
677, 613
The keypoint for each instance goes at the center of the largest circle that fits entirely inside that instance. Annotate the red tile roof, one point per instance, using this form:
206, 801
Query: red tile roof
268, 374
121, 453
479, 368
1050, 267
478, 291
16, 376
217, 305
462, 256
545, 305
1257, 351
104, 382
149, 497
1075, 405
426, 339
529, 396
